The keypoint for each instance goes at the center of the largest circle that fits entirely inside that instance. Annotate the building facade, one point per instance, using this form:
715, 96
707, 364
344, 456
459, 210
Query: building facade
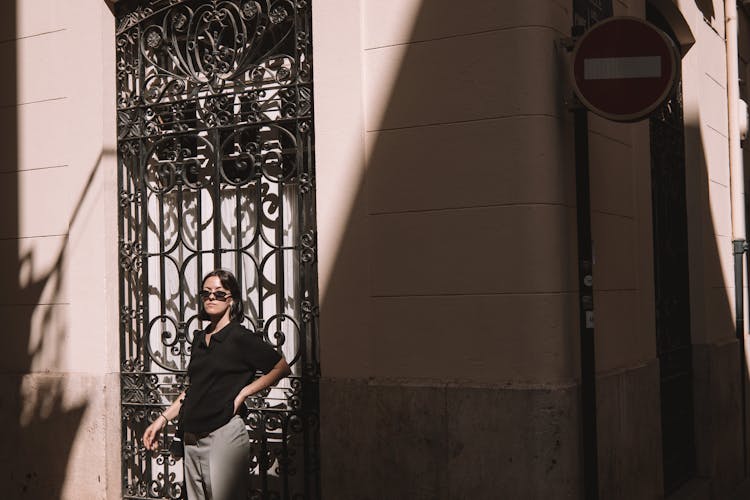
445, 357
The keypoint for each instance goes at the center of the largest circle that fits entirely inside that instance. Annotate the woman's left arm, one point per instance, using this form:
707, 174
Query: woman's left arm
279, 371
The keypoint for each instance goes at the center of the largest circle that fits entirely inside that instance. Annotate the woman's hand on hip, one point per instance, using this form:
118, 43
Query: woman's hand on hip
238, 401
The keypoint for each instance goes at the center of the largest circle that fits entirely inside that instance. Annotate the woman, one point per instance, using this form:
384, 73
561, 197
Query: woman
223, 362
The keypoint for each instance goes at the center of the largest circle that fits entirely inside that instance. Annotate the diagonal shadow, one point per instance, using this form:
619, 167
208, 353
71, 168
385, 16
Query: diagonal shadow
707, 8
41, 420
407, 451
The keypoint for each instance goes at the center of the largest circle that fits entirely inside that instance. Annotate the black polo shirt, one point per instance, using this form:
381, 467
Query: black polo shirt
218, 372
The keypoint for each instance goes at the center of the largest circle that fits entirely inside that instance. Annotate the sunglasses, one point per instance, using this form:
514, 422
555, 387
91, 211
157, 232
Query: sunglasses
218, 295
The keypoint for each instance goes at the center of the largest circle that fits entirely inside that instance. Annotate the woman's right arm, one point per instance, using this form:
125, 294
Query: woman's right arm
152, 431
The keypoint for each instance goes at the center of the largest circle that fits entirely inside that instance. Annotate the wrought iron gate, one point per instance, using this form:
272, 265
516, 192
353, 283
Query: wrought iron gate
215, 156
671, 288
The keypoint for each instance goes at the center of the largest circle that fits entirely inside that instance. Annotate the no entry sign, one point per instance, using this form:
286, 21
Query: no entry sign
623, 68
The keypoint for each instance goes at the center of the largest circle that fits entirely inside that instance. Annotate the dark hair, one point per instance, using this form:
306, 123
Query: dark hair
229, 282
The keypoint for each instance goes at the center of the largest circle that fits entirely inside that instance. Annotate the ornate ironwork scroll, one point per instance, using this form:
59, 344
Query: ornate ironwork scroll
215, 155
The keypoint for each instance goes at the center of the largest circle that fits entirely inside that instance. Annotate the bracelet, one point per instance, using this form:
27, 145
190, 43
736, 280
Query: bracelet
166, 420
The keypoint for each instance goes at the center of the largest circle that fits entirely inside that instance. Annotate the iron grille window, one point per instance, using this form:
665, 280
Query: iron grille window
671, 283
215, 159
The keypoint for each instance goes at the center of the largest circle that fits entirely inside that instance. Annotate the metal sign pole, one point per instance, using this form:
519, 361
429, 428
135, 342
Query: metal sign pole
586, 307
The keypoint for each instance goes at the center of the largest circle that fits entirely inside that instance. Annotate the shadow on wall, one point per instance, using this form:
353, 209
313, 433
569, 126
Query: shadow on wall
707, 8
445, 222
716, 364
39, 418
429, 194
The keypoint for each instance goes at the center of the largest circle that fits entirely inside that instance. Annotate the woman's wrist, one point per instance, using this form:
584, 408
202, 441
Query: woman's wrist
245, 393
166, 420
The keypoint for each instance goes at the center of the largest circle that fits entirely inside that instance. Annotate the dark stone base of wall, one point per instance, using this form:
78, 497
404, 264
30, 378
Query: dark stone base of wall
405, 441
60, 436
629, 434
718, 416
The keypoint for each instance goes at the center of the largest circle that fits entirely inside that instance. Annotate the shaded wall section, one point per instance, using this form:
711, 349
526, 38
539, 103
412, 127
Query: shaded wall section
58, 365
448, 267
445, 193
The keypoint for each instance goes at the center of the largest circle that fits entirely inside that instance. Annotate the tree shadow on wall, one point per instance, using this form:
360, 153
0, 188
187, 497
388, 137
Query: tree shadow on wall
707, 8
41, 423
36, 413
41, 409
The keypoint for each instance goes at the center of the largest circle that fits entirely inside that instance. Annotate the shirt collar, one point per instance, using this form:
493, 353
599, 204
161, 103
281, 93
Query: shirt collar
218, 336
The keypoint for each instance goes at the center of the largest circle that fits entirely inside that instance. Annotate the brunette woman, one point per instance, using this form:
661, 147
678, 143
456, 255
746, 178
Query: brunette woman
224, 359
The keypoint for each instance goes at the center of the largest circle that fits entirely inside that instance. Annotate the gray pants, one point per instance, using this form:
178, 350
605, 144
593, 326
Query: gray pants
216, 467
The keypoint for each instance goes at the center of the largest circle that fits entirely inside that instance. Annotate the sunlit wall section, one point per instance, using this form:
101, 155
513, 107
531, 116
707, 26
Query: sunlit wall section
57, 367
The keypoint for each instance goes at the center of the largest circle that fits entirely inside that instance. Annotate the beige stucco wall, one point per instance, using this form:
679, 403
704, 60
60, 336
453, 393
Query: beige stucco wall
460, 249
446, 215
622, 237
59, 366
453, 263
445, 191
446, 241
450, 244
712, 271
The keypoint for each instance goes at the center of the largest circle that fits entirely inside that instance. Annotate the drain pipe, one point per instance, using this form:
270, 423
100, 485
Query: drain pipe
737, 191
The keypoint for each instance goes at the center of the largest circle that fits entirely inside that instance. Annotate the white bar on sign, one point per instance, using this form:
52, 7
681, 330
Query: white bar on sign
611, 68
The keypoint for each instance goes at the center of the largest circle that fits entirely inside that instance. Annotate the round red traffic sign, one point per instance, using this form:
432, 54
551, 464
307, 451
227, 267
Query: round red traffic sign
623, 68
